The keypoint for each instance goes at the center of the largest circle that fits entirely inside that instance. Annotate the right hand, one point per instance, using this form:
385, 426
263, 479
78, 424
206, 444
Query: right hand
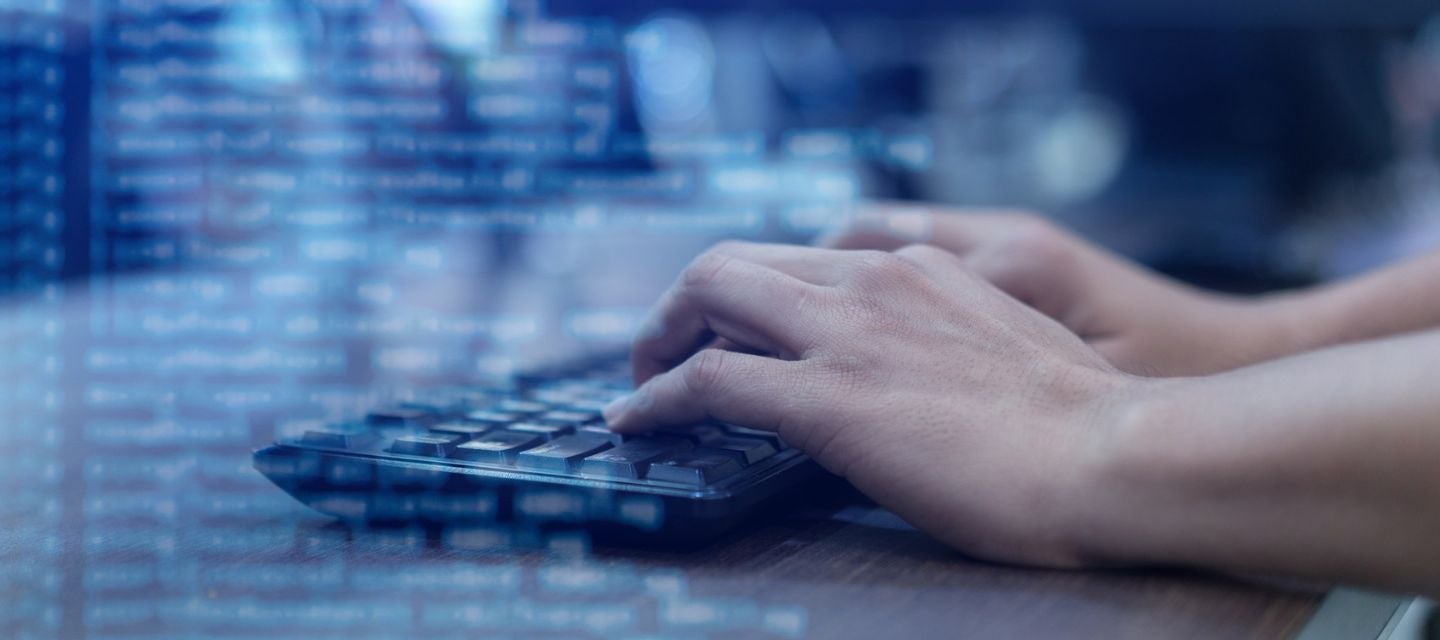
1143, 323
972, 416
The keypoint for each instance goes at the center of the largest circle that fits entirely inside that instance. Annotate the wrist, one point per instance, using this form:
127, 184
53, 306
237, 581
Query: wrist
1126, 475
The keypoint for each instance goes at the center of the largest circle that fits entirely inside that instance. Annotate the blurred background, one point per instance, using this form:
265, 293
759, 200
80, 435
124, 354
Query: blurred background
1249, 146
518, 177
227, 221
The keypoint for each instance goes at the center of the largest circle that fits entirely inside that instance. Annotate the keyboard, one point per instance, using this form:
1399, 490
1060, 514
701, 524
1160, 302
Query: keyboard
535, 453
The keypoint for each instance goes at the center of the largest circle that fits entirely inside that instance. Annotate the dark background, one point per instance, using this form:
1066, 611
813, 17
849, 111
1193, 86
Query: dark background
1261, 139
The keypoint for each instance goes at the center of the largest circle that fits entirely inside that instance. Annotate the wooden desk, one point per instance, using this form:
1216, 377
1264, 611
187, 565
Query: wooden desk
132, 512
872, 575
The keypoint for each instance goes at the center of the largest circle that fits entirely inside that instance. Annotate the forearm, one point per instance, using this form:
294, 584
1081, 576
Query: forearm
1324, 465
1397, 299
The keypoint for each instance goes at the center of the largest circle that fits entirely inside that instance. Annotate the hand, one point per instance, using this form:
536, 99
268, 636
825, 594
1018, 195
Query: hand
967, 413
1139, 321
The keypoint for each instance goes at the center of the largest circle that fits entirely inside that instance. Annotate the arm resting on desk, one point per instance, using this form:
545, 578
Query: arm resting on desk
1324, 465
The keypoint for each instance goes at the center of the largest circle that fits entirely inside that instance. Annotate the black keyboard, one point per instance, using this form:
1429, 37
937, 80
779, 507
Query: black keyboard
536, 453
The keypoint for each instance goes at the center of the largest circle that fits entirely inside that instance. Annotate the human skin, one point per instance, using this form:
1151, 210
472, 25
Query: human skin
997, 429
1140, 321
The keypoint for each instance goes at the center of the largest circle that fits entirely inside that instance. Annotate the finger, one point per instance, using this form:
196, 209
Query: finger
948, 271
883, 228
751, 305
751, 390
811, 264
890, 226
730, 345
939, 264
1038, 269
1022, 255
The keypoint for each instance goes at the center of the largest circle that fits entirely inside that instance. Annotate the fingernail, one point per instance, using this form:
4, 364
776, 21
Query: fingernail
615, 410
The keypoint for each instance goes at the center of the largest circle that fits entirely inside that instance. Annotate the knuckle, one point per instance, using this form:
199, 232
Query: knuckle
827, 315
925, 254
705, 270
878, 290
704, 371
1040, 246
1035, 233
885, 267
809, 302
1036, 249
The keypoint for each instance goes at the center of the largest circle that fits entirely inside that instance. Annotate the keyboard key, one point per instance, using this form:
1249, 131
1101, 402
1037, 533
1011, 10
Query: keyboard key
497, 418
560, 454
425, 406
496, 447
556, 396
352, 436
565, 418
770, 436
695, 469
467, 428
630, 460
590, 404
604, 433
696, 433
523, 407
746, 451
430, 445
401, 417
461, 398
530, 455
548, 431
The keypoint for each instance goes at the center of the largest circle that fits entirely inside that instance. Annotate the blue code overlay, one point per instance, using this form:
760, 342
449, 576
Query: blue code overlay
224, 222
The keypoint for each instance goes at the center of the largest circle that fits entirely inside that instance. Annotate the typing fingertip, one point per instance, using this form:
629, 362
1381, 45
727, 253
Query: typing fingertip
614, 412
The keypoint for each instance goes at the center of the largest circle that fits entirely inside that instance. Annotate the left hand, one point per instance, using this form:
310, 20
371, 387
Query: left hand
1138, 320
969, 414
